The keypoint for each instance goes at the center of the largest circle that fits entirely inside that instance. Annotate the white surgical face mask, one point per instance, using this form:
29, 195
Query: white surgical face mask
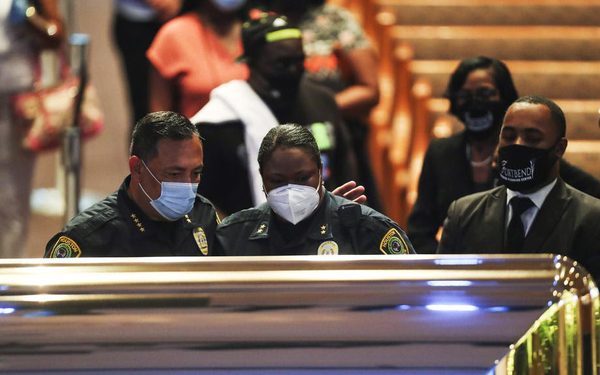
176, 198
228, 5
292, 202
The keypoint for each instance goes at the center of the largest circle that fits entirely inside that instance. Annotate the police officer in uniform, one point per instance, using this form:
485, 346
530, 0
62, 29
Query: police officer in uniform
156, 211
300, 216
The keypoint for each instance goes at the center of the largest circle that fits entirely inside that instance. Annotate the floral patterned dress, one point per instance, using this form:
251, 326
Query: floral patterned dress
328, 30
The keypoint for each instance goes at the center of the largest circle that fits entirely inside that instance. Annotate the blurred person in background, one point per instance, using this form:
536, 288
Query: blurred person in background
480, 91
135, 24
339, 56
195, 52
23, 36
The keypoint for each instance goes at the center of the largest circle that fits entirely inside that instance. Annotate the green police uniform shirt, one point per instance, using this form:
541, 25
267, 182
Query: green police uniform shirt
338, 226
116, 227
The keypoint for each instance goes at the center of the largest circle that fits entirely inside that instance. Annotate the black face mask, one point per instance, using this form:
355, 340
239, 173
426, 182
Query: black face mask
481, 117
288, 83
523, 168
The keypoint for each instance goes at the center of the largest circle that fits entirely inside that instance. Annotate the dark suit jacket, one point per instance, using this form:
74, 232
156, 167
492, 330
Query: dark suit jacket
568, 223
446, 176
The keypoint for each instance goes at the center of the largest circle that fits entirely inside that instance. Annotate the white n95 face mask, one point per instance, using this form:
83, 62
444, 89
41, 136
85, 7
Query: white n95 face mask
176, 198
292, 202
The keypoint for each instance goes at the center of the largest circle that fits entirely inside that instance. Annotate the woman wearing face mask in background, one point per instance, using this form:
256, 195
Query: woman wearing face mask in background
300, 216
480, 90
194, 53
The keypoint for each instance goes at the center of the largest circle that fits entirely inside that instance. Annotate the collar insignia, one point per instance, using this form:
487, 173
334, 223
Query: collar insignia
261, 231
262, 228
137, 223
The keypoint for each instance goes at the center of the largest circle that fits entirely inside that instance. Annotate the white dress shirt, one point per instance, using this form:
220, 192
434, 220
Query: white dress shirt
529, 215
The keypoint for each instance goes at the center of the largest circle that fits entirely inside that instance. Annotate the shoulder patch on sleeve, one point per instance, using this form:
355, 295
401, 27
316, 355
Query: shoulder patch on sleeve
393, 243
65, 247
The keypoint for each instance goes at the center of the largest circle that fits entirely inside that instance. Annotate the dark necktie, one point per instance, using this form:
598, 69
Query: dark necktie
515, 233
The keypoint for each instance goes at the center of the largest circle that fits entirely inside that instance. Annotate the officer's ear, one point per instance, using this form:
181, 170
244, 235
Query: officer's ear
135, 165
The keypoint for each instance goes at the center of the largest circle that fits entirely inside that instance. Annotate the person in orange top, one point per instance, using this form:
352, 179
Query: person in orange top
194, 53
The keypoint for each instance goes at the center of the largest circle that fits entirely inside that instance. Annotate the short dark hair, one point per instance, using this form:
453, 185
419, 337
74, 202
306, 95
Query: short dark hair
156, 126
500, 73
556, 114
288, 136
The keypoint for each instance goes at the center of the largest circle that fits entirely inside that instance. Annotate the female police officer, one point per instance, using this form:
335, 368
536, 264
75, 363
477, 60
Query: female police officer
300, 216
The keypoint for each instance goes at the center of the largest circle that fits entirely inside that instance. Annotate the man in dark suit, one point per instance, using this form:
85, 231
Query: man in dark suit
535, 211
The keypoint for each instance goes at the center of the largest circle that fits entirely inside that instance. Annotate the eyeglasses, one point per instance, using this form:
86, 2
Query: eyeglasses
484, 93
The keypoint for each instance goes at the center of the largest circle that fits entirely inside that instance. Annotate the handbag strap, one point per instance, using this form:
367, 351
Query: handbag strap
50, 67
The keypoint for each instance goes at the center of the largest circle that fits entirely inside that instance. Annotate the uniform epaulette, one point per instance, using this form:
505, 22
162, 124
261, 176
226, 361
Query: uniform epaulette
204, 200
374, 216
93, 218
249, 214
